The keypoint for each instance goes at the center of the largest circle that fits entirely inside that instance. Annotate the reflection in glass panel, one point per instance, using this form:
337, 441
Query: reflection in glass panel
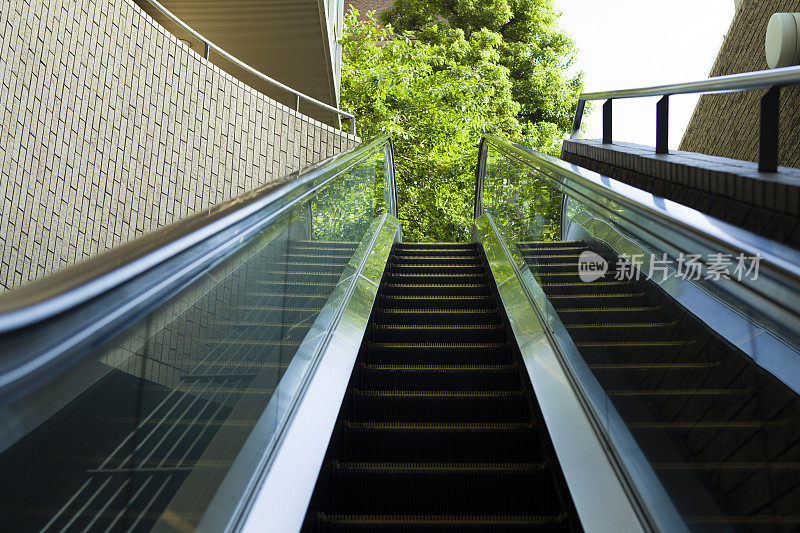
722, 435
143, 432
524, 204
345, 209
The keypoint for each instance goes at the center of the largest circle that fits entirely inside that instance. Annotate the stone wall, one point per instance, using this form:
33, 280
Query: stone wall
727, 125
110, 128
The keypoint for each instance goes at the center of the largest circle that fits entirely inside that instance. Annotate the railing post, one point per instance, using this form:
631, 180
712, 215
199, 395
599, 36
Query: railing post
607, 122
352, 125
770, 124
662, 125
297, 102
206, 50
576, 122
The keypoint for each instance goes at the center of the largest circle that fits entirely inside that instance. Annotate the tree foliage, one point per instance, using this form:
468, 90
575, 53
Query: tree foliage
436, 88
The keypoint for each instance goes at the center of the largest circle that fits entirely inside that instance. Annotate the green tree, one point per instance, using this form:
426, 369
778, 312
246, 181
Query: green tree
525, 33
435, 90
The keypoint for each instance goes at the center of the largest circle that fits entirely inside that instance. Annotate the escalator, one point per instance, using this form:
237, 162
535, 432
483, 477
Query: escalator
721, 432
678, 331
439, 429
285, 362
117, 456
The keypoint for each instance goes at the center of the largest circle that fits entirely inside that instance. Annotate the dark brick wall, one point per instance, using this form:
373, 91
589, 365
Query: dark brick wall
727, 124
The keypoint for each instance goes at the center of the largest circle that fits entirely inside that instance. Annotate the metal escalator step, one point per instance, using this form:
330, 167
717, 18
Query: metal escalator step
441, 523
439, 269
436, 316
452, 354
654, 366
444, 377
632, 343
316, 250
624, 310
438, 345
438, 467
436, 301
345, 244
438, 441
537, 244
453, 378
571, 274
327, 255
678, 392
435, 277
436, 245
447, 334
447, 260
434, 289
421, 488
438, 406
325, 263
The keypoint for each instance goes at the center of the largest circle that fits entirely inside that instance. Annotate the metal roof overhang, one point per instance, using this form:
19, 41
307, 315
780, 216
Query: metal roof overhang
287, 40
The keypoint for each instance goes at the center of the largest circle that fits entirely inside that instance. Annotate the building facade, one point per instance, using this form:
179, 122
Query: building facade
717, 115
111, 127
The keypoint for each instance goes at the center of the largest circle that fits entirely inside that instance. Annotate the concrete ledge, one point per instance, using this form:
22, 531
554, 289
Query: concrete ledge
728, 189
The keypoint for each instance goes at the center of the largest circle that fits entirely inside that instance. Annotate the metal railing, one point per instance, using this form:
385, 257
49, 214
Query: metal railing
209, 46
773, 80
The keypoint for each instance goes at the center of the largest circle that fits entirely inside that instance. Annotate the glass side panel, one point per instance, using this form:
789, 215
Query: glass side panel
520, 201
143, 432
721, 433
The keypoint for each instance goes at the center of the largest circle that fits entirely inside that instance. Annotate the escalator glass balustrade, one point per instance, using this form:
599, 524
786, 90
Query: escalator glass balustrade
718, 426
171, 417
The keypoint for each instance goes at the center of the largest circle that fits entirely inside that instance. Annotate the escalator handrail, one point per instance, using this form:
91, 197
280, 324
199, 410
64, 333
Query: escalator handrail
776, 257
69, 288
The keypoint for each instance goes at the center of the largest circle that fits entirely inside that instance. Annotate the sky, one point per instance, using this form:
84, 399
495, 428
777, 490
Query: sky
624, 44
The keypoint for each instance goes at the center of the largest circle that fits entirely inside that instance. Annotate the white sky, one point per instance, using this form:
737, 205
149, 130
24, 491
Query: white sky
636, 43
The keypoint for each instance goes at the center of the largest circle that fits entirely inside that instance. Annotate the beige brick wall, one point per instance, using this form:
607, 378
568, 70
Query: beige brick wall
727, 125
110, 128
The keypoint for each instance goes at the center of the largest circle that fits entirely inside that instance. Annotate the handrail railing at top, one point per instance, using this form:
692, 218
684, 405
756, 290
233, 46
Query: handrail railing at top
772, 79
80, 283
238, 62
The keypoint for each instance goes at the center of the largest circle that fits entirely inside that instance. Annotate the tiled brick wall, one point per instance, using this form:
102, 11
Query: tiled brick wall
110, 128
727, 125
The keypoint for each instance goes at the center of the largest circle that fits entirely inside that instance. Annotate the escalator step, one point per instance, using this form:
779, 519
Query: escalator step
438, 441
437, 289
438, 406
446, 377
437, 278
437, 316
446, 488
449, 268
420, 354
441, 523
433, 333
434, 259
436, 302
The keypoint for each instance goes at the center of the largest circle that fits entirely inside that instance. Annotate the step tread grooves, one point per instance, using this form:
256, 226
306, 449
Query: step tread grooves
436, 403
